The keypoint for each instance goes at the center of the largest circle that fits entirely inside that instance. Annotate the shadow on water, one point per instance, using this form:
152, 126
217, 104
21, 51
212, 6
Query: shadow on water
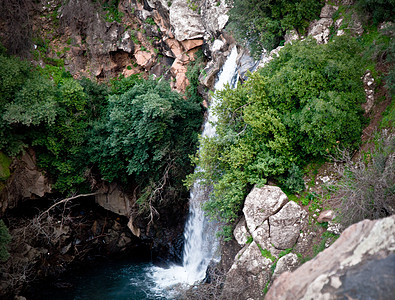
121, 279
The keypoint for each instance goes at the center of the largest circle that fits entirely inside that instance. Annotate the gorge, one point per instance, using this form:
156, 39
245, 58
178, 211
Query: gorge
102, 105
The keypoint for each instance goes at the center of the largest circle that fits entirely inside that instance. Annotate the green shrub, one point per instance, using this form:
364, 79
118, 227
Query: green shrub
366, 190
262, 24
301, 106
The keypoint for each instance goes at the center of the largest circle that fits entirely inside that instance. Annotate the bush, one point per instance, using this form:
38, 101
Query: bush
300, 107
262, 24
367, 187
147, 135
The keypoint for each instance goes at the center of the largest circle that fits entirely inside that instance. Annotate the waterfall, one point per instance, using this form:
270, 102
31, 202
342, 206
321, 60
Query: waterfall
201, 244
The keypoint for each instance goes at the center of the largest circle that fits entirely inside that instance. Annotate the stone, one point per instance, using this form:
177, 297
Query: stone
359, 264
135, 230
143, 58
248, 275
25, 182
328, 10
285, 225
214, 15
191, 44
186, 22
326, 216
113, 199
291, 35
261, 203
319, 30
287, 263
240, 232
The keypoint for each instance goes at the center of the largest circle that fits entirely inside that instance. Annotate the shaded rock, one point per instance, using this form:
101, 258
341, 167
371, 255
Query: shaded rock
113, 199
135, 230
359, 264
286, 263
25, 182
214, 15
261, 203
248, 275
326, 216
285, 225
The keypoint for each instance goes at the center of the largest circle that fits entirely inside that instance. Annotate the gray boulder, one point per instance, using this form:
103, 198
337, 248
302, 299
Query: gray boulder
359, 265
261, 203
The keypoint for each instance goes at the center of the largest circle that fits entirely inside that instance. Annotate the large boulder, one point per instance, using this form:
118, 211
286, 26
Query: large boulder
285, 225
269, 225
359, 265
261, 203
248, 274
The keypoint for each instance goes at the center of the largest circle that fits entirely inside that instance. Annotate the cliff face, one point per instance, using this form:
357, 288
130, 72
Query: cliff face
128, 37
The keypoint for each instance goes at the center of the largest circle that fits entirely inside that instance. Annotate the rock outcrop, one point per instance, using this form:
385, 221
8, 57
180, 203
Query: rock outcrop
270, 224
359, 265
26, 182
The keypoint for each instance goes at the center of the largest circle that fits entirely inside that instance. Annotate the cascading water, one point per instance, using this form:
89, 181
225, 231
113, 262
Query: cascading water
201, 243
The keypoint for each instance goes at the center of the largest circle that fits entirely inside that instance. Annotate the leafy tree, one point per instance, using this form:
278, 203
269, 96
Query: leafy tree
148, 127
379, 10
302, 105
262, 24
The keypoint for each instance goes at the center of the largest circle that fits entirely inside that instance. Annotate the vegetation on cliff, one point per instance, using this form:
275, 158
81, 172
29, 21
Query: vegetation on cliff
262, 24
136, 131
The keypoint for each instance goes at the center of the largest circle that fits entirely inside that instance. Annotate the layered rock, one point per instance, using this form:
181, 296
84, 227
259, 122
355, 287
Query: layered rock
359, 265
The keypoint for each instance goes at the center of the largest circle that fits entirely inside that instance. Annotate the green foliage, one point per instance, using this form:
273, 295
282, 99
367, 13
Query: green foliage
5, 238
262, 24
266, 253
379, 10
327, 237
300, 107
148, 128
113, 14
5, 163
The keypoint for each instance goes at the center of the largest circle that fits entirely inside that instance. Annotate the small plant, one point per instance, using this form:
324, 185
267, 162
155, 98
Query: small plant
249, 240
150, 21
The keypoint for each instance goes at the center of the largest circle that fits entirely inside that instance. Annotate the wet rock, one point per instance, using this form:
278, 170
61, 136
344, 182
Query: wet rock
135, 230
359, 264
261, 203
